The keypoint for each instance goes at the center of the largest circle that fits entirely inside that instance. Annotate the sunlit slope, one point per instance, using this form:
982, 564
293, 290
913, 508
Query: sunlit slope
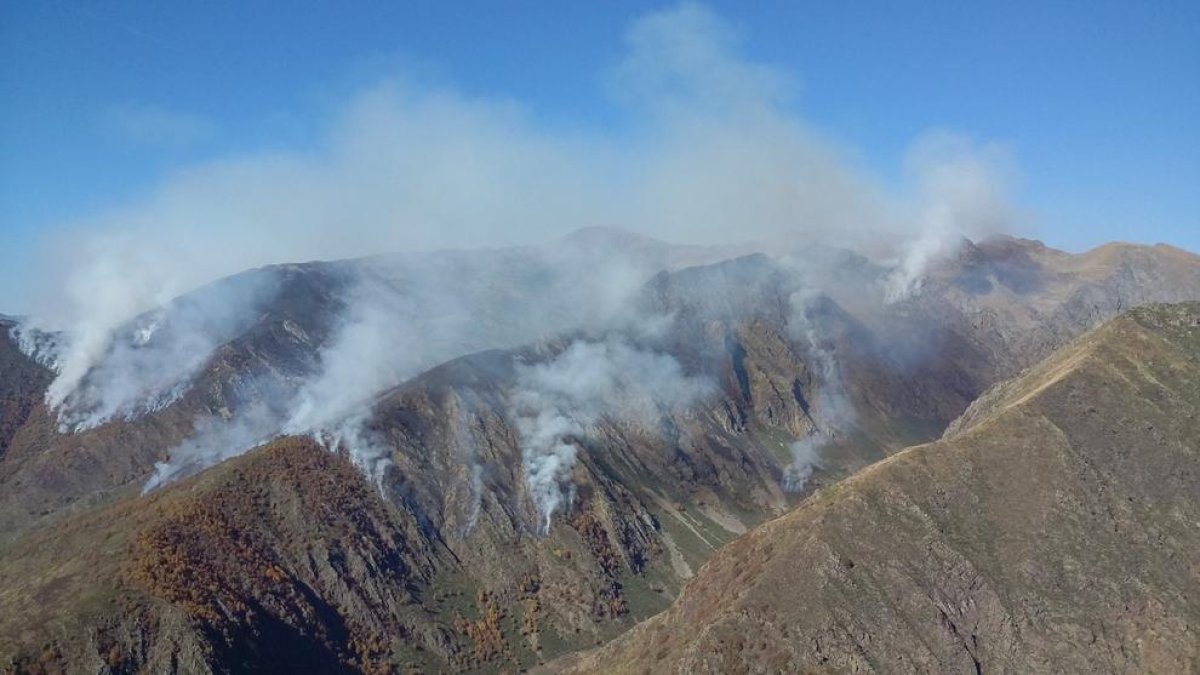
1057, 529
21, 385
281, 560
651, 501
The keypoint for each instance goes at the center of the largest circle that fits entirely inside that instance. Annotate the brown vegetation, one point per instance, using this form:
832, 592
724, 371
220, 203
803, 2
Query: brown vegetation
1054, 532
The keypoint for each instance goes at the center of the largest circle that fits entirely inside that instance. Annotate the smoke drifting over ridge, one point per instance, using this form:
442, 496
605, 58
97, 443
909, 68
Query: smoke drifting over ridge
715, 154
145, 364
832, 412
557, 401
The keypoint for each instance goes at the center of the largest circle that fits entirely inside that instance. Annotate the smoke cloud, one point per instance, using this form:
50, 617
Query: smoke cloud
147, 363
711, 150
806, 458
365, 449
215, 440
556, 402
963, 192
832, 412
404, 314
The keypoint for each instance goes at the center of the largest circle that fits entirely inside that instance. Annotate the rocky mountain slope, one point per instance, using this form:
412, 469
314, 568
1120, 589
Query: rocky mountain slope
257, 338
1052, 529
483, 577
22, 383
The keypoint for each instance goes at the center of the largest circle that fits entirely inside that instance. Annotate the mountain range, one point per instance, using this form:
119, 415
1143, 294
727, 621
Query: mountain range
500, 459
1052, 528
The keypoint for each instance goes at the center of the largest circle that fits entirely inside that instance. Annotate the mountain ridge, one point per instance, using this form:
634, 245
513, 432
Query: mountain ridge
1084, 568
649, 500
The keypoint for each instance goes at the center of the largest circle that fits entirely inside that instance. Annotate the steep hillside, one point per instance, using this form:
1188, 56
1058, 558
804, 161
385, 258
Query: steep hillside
253, 340
651, 501
980, 317
555, 494
282, 559
1054, 529
22, 383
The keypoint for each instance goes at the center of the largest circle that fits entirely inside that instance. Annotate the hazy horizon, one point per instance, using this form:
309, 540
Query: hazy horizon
162, 130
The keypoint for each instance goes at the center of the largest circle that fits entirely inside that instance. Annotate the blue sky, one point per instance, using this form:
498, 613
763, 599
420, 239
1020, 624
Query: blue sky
1099, 101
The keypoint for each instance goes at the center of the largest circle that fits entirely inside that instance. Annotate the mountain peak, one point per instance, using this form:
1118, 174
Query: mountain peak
610, 235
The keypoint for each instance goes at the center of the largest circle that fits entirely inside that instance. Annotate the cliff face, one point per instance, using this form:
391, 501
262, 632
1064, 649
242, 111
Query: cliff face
1052, 530
446, 563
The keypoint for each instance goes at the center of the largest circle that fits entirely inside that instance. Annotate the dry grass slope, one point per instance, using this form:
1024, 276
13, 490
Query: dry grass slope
1055, 530
283, 559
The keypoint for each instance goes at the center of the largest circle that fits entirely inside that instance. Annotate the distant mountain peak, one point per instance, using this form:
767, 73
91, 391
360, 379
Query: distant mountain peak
610, 235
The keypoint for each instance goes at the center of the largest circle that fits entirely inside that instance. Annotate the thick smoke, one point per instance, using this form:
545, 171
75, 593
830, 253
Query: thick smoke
962, 193
711, 149
149, 362
405, 314
42, 347
376, 347
556, 403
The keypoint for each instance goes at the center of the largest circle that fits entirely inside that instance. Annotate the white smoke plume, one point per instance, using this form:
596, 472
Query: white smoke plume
713, 149
146, 365
719, 150
548, 453
476, 498
465, 417
806, 457
831, 410
42, 347
375, 348
215, 440
962, 191
557, 402
403, 315
365, 449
